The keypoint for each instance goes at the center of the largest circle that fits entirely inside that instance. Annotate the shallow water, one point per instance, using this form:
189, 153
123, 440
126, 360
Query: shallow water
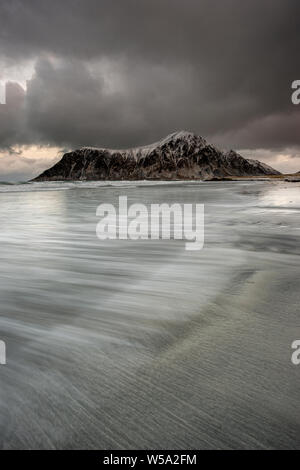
142, 344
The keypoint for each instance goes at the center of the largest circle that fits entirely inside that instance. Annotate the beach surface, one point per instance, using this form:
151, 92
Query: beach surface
124, 344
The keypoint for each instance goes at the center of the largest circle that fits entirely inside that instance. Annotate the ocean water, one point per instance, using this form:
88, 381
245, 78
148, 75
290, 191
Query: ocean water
123, 344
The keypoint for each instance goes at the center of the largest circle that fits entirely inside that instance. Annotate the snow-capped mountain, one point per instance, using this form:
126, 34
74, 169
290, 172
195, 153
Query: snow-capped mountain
181, 155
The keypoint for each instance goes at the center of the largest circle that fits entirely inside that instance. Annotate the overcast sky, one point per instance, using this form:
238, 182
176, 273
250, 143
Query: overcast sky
120, 73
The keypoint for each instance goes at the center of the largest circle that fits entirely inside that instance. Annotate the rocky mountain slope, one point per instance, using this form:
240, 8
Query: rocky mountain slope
181, 155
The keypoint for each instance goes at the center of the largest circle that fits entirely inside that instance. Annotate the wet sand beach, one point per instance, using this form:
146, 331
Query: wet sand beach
124, 344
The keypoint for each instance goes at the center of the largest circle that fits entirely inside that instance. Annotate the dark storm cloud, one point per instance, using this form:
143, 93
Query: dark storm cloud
125, 72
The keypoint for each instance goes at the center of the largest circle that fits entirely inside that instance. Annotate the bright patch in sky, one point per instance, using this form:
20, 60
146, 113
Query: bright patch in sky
25, 162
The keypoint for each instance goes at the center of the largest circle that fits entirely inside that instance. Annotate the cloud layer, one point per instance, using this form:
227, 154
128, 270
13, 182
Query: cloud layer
126, 72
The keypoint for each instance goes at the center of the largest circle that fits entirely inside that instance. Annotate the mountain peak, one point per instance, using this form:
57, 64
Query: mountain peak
180, 155
180, 135
174, 139
185, 136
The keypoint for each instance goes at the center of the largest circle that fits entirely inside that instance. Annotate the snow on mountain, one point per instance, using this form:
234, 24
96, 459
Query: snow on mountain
180, 155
